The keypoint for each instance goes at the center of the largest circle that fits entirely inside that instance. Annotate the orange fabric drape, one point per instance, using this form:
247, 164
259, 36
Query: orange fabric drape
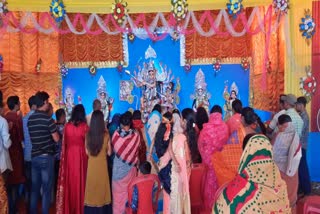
21, 52
265, 95
90, 48
198, 47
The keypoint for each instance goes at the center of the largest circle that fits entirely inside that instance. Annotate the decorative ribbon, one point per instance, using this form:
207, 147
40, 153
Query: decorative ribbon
12, 24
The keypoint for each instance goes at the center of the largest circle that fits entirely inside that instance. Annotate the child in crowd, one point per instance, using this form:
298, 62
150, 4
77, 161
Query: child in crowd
144, 169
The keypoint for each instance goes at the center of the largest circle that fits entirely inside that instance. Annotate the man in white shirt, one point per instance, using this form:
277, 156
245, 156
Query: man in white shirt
289, 105
272, 127
5, 143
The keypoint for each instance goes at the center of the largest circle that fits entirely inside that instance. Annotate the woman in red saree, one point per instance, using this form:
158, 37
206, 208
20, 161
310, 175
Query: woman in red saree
73, 164
212, 138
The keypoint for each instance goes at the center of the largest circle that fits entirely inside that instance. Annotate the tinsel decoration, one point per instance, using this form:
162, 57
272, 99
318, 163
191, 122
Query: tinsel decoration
57, 10
119, 11
307, 26
179, 9
234, 7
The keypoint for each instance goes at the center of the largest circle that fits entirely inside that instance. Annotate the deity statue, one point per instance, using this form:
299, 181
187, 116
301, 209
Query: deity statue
170, 99
229, 98
201, 96
69, 102
106, 101
155, 82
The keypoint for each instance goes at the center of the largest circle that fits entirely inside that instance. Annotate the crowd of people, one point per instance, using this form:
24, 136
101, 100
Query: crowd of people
85, 165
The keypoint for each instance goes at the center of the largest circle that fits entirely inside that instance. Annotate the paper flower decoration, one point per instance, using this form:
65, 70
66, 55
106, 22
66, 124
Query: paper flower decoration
179, 9
187, 66
3, 7
119, 11
92, 69
308, 84
234, 7
216, 66
57, 10
131, 37
245, 64
1, 63
307, 26
281, 6
64, 70
38, 65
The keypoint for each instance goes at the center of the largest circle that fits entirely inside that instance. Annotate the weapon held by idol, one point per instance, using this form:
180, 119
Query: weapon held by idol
143, 82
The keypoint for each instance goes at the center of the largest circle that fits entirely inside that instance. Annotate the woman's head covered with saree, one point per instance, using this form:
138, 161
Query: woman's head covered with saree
258, 187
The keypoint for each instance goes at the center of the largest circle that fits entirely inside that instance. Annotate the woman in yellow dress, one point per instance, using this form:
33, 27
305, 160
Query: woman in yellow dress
97, 193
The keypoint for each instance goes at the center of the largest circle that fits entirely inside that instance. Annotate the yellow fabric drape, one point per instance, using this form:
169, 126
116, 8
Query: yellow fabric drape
20, 53
300, 52
134, 6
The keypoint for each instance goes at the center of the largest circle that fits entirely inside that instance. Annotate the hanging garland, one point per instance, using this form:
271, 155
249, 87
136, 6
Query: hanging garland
307, 26
57, 10
234, 7
14, 25
308, 84
281, 6
63, 70
119, 11
245, 64
179, 9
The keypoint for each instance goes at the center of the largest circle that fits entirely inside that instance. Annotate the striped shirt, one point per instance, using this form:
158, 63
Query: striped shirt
41, 126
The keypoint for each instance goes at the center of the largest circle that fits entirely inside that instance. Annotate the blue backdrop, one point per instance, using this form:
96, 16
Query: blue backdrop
83, 84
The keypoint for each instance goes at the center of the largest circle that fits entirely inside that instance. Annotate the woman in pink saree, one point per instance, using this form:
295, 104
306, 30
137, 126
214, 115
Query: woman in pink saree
212, 138
178, 200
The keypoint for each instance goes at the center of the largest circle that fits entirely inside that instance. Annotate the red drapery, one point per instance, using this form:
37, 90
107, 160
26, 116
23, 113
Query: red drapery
315, 102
